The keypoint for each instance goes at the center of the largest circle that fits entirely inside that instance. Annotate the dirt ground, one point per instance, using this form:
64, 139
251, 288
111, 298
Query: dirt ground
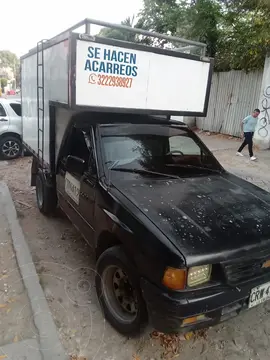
65, 264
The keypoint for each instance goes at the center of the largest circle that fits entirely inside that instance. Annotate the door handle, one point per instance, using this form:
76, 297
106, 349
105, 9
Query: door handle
3, 119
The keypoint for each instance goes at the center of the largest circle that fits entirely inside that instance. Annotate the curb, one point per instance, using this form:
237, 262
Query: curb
50, 346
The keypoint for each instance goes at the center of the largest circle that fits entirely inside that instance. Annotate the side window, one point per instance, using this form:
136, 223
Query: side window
16, 107
2, 111
77, 145
184, 144
80, 145
92, 159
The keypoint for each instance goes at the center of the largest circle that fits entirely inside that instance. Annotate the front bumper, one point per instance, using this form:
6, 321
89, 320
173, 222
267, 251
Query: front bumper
167, 311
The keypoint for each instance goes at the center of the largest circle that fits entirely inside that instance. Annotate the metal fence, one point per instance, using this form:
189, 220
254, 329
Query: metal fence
234, 95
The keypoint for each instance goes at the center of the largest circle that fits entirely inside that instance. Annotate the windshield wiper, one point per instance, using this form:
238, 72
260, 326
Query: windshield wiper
194, 167
143, 171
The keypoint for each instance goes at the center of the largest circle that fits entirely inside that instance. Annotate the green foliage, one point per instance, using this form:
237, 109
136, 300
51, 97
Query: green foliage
236, 32
123, 35
245, 39
204, 17
3, 83
163, 16
196, 20
8, 59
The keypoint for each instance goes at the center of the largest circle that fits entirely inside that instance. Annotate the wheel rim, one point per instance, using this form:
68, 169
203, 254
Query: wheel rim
39, 192
10, 148
120, 297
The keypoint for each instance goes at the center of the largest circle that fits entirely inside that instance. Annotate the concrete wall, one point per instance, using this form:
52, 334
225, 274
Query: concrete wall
262, 133
190, 121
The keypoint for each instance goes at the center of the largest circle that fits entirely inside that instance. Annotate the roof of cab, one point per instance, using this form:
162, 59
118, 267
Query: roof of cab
104, 118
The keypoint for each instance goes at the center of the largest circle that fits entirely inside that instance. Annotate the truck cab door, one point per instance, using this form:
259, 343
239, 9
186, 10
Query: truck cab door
88, 190
69, 180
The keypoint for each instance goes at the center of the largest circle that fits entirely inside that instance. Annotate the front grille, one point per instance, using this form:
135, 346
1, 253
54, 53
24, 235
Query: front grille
246, 269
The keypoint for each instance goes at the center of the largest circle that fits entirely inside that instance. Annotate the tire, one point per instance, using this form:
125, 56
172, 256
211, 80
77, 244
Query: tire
46, 195
125, 321
10, 147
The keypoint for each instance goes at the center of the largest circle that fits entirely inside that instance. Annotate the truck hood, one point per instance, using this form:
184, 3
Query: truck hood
208, 219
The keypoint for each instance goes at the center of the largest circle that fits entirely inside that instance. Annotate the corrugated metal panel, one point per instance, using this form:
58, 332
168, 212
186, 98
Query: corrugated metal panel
234, 95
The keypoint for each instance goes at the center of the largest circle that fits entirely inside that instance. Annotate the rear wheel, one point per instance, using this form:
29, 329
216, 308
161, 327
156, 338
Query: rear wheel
10, 147
119, 292
46, 195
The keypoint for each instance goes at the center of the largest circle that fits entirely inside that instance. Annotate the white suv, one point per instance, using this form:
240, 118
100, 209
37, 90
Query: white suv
10, 129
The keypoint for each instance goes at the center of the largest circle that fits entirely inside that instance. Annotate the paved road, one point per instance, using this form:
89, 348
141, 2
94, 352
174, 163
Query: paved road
17, 97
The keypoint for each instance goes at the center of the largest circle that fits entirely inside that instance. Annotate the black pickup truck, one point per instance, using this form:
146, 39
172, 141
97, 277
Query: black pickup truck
179, 241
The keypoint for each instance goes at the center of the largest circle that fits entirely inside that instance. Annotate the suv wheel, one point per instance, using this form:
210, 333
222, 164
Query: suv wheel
119, 292
10, 147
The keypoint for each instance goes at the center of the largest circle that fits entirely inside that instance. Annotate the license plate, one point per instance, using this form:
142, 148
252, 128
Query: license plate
259, 295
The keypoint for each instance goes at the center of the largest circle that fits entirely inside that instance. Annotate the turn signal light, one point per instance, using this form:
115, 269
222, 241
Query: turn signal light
193, 320
175, 279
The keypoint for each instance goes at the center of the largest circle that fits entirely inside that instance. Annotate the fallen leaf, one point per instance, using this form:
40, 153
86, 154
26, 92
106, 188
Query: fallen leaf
11, 300
24, 204
8, 310
189, 335
3, 277
2, 306
3, 356
135, 357
15, 339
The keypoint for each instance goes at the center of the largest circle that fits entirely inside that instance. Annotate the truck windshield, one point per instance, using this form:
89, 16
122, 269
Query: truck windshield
165, 149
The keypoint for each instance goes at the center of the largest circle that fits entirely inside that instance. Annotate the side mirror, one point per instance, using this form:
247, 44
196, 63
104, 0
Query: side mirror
75, 165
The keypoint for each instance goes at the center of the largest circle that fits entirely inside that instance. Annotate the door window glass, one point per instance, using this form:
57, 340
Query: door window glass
77, 145
17, 108
80, 145
2, 111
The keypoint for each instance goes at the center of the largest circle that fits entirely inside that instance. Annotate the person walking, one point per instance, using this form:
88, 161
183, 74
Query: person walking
248, 126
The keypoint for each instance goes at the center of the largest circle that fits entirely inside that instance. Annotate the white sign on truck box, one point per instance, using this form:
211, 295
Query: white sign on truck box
117, 77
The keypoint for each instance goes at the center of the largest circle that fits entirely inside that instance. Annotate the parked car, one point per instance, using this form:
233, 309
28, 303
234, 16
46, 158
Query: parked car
11, 92
10, 129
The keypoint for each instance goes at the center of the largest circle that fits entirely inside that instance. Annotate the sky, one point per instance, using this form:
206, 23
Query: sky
25, 22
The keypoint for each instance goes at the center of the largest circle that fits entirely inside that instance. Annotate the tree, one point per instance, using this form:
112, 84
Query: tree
196, 20
165, 17
3, 83
204, 16
118, 34
18, 76
245, 38
8, 59
236, 32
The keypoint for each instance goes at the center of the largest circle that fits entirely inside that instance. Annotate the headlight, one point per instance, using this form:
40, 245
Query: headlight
198, 275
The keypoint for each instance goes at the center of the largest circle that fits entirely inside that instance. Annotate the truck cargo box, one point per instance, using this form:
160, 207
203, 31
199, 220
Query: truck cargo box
86, 72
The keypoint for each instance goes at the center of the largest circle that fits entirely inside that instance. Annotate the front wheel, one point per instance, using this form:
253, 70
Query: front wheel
119, 293
10, 147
